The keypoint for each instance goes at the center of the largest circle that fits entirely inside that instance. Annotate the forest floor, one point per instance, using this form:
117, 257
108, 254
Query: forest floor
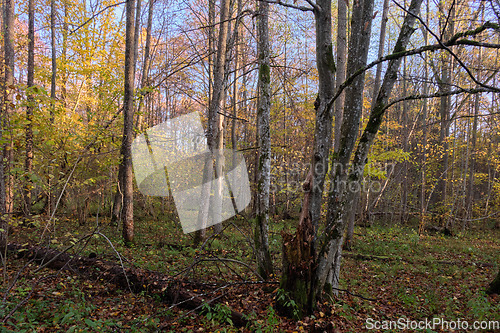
390, 273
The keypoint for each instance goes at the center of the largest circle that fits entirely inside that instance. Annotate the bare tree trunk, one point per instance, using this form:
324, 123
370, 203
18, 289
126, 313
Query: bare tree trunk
200, 234
146, 64
376, 87
264, 263
404, 137
381, 45
423, 157
54, 58
8, 35
64, 55
341, 67
351, 217
137, 30
28, 162
126, 177
323, 125
444, 111
470, 189
329, 266
236, 93
341, 199
216, 120
299, 249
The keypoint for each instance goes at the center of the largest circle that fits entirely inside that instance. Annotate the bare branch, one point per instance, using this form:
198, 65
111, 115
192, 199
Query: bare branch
440, 94
284, 4
453, 41
445, 47
94, 16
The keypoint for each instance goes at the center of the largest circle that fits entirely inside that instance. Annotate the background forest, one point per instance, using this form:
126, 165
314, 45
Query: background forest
371, 134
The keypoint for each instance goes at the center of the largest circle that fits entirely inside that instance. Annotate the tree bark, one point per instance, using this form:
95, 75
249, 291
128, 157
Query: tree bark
53, 77
342, 197
216, 120
126, 177
8, 151
381, 45
28, 162
261, 236
444, 112
323, 126
8, 35
298, 250
423, 157
341, 67
64, 56
137, 30
376, 87
200, 234
472, 164
330, 250
404, 138
146, 64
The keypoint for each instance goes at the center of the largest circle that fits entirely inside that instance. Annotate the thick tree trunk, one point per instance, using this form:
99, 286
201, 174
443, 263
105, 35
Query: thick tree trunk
264, 264
324, 115
330, 248
297, 279
342, 198
126, 177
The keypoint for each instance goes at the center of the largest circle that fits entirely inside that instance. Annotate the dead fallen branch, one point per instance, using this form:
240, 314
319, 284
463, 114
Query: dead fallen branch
359, 256
171, 291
